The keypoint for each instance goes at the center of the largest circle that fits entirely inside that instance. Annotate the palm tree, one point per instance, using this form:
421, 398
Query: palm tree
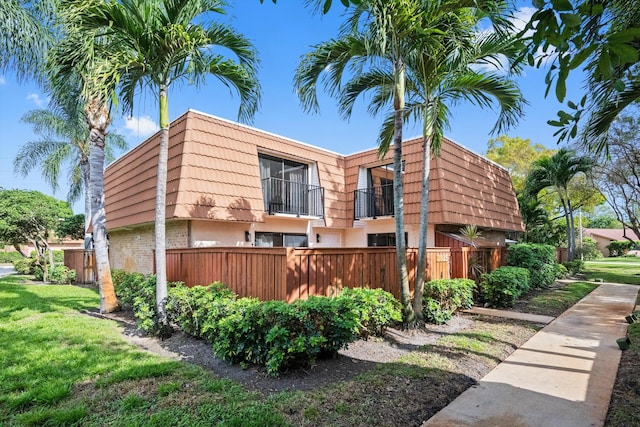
159, 42
555, 173
63, 141
446, 68
25, 36
82, 56
377, 32
439, 50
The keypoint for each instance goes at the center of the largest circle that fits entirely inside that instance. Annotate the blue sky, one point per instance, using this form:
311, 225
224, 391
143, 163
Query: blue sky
281, 34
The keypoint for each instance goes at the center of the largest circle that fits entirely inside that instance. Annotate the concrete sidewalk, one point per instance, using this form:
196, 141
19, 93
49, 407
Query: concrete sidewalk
563, 376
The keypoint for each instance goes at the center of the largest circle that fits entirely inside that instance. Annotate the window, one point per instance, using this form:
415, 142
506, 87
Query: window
284, 185
281, 239
384, 239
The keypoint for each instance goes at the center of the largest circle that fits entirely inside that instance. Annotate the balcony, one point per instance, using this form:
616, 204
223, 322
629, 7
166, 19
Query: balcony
373, 202
294, 198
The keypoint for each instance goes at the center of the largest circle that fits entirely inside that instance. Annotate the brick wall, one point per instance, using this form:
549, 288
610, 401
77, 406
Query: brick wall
132, 249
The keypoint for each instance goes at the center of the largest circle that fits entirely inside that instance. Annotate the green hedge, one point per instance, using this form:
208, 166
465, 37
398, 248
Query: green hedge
444, 297
8, 257
620, 247
504, 285
539, 259
247, 331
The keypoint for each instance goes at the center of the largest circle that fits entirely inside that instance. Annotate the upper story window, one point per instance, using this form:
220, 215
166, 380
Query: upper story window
287, 170
377, 199
285, 188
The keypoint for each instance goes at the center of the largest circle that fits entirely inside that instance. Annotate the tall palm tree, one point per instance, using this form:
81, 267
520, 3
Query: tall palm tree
63, 144
555, 173
445, 72
157, 43
438, 50
82, 55
376, 32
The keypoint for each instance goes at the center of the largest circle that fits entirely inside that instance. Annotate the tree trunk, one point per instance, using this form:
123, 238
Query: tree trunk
98, 119
568, 224
572, 230
408, 315
86, 177
161, 200
421, 276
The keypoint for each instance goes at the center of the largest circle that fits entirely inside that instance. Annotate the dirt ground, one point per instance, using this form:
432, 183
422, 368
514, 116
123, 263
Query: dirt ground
359, 357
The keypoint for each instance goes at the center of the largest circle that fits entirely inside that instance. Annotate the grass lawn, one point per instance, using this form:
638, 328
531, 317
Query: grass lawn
617, 270
554, 302
62, 367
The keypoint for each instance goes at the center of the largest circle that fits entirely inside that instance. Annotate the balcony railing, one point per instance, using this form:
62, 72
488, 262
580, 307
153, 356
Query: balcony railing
373, 202
296, 198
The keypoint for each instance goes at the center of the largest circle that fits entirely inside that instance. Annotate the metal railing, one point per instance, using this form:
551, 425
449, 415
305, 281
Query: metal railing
373, 202
296, 198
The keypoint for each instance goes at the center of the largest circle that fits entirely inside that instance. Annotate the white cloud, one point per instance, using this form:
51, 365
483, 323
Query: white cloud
35, 98
2, 81
141, 126
522, 16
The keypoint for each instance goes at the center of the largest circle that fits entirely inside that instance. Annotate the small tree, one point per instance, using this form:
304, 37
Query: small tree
30, 216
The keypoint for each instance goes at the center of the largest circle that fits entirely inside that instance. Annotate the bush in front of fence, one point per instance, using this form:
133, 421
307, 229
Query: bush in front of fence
444, 297
273, 333
539, 259
504, 285
198, 309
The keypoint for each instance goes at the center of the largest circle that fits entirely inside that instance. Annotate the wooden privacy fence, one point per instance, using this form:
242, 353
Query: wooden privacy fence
487, 259
83, 262
289, 274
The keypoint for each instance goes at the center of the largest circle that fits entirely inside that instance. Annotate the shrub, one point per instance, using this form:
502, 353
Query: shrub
503, 286
374, 308
38, 273
10, 257
620, 247
192, 309
58, 255
574, 267
588, 250
562, 272
62, 275
280, 335
23, 265
444, 297
538, 259
138, 292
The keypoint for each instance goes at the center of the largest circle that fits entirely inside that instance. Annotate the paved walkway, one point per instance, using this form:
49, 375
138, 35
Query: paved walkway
563, 376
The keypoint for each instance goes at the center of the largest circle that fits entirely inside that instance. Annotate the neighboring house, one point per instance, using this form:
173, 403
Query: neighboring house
233, 185
604, 236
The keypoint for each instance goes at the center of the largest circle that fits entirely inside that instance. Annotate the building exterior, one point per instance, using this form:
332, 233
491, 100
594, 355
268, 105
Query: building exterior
233, 185
604, 236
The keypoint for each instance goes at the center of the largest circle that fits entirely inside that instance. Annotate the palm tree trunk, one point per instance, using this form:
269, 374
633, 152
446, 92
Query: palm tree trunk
86, 177
421, 276
572, 232
98, 119
161, 200
408, 315
568, 224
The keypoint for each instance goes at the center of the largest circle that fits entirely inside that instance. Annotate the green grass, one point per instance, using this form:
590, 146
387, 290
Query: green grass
611, 271
553, 302
61, 367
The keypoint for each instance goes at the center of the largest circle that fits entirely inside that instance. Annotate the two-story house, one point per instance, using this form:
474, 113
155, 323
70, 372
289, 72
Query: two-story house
234, 185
